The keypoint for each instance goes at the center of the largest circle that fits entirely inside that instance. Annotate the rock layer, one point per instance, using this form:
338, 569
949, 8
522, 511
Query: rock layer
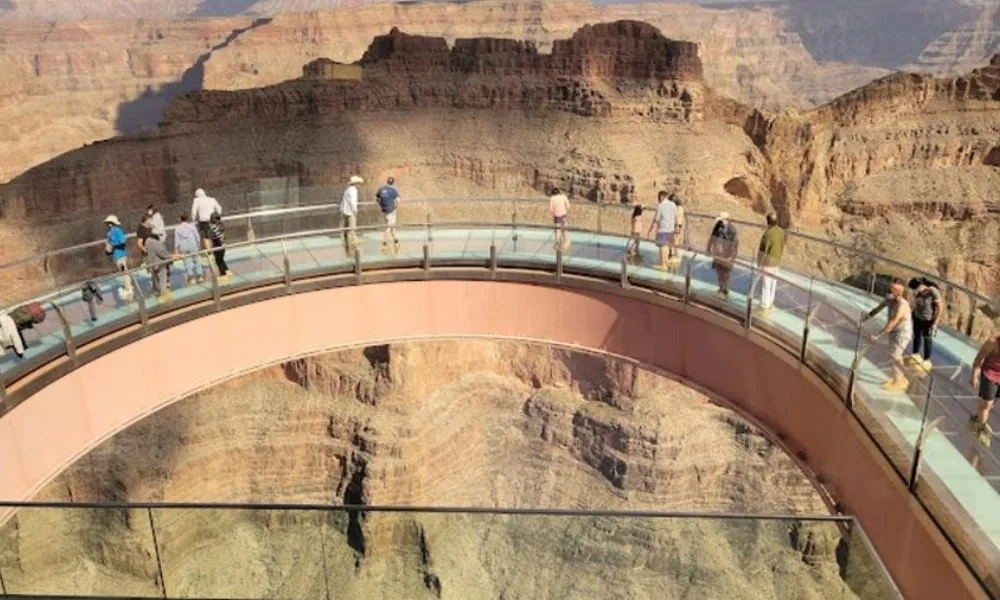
494, 424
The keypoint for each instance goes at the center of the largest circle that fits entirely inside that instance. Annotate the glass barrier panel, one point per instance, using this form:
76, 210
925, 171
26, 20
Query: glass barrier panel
251, 263
863, 570
960, 482
592, 252
833, 340
782, 302
242, 553
78, 551
26, 281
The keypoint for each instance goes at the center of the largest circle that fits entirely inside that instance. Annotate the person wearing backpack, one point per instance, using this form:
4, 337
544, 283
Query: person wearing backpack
10, 336
217, 235
388, 200
115, 246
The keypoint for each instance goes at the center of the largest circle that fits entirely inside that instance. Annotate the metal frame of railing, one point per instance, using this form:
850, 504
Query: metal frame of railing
848, 526
911, 475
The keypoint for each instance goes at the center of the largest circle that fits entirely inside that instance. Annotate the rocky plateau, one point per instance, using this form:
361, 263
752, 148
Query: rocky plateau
462, 423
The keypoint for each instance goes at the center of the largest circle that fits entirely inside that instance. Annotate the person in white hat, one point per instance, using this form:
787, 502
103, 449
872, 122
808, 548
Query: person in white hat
349, 213
723, 245
115, 247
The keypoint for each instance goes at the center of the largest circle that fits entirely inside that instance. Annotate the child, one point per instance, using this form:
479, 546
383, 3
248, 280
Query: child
633, 246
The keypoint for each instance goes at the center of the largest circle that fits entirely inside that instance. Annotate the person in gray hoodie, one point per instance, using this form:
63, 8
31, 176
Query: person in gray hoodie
158, 259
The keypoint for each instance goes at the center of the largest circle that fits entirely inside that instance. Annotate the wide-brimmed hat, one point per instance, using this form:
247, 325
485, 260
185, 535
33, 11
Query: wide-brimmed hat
355, 179
113, 219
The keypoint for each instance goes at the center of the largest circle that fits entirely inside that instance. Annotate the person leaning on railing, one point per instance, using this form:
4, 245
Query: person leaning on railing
349, 213
115, 247
900, 330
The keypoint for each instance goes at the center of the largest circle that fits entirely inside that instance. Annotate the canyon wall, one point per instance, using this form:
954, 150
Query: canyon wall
463, 423
72, 83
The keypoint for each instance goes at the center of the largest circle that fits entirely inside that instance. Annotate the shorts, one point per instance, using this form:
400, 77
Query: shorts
390, 218
988, 390
898, 343
559, 220
204, 230
664, 238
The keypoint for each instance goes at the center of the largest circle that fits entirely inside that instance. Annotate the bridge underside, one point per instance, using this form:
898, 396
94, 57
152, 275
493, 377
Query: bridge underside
74, 413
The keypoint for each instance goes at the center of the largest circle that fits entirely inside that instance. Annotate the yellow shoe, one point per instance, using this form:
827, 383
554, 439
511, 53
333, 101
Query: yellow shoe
225, 277
927, 365
891, 385
911, 360
763, 311
662, 268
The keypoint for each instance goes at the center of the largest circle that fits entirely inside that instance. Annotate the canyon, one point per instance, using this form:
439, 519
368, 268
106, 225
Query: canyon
69, 83
458, 423
617, 110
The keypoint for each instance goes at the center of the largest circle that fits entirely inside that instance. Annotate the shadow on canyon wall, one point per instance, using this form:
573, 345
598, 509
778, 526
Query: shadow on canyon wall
145, 112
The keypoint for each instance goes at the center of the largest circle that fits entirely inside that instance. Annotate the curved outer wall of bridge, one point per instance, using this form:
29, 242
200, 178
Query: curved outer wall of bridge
70, 416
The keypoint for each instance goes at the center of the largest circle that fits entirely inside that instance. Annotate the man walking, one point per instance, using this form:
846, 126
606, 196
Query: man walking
900, 331
349, 213
772, 246
202, 209
665, 223
559, 208
115, 247
388, 200
158, 259
985, 375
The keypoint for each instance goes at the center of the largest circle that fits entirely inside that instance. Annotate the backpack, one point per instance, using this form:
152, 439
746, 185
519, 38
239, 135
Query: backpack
28, 315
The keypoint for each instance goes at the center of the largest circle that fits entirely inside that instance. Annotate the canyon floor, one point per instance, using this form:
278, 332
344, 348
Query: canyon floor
448, 423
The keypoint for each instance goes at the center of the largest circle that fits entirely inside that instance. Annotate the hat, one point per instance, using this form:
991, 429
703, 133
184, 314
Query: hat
355, 179
112, 219
723, 216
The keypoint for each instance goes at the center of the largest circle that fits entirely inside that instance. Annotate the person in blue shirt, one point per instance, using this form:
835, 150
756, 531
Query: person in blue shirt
115, 247
388, 200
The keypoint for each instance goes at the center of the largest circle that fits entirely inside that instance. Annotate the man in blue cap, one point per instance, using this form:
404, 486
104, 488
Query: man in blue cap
388, 200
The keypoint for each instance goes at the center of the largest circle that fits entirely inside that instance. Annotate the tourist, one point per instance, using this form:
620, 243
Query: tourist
927, 309
559, 207
115, 246
217, 237
632, 251
985, 374
202, 209
723, 246
10, 336
349, 214
665, 224
143, 232
158, 259
899, 327
388, 200
157, 223
681, 221
187, 243
772, 246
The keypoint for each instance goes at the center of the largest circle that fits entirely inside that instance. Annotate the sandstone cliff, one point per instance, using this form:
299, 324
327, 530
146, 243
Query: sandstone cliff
73, 83
470, 423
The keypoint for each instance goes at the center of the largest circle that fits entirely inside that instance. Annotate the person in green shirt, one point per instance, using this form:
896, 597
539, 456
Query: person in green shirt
772, 246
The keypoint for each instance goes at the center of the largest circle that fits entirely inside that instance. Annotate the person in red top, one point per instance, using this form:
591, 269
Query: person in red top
985, 373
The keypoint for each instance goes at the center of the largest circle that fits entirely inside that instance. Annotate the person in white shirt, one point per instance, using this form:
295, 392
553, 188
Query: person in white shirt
10, 337
559, 207
201, 213
349, 213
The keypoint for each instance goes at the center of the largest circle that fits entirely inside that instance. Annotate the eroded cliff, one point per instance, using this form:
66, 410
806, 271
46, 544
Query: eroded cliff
469, 423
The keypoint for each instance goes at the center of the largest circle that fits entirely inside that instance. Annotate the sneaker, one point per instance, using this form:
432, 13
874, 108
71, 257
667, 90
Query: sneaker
763, 311
225, 277
891, 385
927, 365
200, 280
662, 268
167, 296
192, 281
982, 431
911, 360
721, 293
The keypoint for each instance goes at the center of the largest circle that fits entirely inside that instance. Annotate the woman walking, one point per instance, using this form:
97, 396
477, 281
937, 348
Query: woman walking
723, 245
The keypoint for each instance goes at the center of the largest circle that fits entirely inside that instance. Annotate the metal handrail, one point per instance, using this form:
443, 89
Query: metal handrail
976, 296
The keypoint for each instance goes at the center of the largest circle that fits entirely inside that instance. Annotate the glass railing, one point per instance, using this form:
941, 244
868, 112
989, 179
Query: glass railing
283, 551
923, 432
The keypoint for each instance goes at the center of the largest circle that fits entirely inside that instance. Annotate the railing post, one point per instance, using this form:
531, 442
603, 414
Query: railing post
559, 257
687, 236
427, 258
600, 217
287, 266
251, 236
493, 259
3, 389
141, 301
853, 377
216, 289
430, 233
805, 326
67, 333
918, 449
624, 273
687, 279
513, 222
871, 282
753, 284
357, 264
156, 551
